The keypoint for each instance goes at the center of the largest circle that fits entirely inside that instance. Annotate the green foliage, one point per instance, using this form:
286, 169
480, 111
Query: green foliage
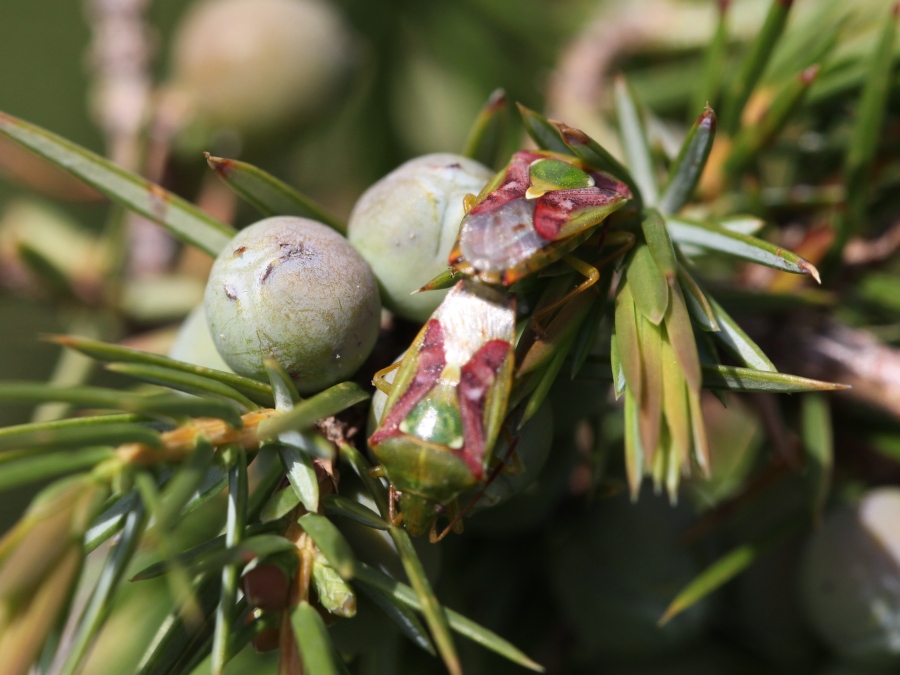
209, 481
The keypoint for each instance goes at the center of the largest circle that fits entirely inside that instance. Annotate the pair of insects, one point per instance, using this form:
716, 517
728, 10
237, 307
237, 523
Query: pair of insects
448, 401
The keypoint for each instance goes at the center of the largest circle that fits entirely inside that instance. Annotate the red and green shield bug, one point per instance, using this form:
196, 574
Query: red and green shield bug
447, 403
533, 213
537, 210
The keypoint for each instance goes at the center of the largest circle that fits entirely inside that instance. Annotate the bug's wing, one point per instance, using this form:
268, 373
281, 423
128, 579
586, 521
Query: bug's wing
480, 327
419, 372
483, 395
565, 213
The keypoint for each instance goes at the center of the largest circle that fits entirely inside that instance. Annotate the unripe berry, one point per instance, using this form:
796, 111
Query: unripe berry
406, 223
293, 290
252, 65
194, 343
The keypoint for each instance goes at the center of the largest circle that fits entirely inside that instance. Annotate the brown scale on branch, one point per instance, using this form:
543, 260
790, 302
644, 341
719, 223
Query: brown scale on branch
178, 443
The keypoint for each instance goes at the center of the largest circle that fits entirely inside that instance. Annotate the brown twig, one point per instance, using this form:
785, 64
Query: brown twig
577, 87
850, 356
864, 252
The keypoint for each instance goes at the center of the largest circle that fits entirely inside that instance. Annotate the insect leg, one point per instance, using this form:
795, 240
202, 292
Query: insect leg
395, 518
382, 384
592, 275
624, 241
510, 464
456, 523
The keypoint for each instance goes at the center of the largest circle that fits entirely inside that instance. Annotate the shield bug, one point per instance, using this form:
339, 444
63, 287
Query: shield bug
447, 403
535, 211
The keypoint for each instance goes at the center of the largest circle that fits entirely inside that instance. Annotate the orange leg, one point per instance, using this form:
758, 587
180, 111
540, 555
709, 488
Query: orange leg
455, 523
592, 275
395, 518
624, 241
